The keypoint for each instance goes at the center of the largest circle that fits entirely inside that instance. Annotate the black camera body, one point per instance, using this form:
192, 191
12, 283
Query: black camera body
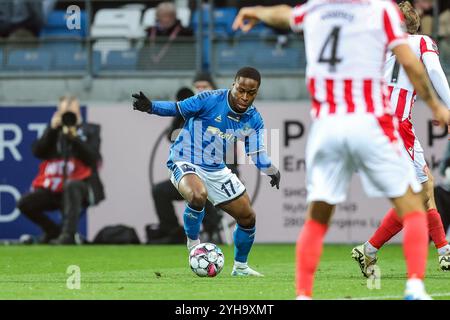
69, 119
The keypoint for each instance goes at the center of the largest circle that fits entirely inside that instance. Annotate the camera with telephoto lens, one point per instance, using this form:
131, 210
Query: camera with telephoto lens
69, 119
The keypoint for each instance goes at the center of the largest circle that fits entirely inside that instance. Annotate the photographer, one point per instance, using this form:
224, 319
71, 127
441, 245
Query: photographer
67, 178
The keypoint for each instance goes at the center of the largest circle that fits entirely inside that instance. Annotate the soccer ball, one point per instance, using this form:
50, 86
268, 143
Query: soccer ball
206, 260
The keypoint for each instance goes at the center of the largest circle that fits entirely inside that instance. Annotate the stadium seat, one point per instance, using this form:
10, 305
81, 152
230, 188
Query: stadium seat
121, 60
115, 28
56, 26
75, 61
28, 60
149, 18
184, 15
223, 20
113, 23
272, 58
232, 56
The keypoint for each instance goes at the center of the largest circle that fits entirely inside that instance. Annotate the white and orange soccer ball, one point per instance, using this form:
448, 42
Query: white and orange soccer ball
206, 260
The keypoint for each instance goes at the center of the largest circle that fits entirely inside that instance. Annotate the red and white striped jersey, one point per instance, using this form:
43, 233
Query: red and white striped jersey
401, 91
346, 43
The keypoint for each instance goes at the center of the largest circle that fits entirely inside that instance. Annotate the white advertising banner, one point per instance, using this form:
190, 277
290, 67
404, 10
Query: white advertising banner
129, 139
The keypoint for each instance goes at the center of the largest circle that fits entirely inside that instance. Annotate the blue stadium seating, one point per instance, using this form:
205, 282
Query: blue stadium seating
1, 59
223, 20
121, 60
233, 55
75, 61
268, 57
28, 60
56, 26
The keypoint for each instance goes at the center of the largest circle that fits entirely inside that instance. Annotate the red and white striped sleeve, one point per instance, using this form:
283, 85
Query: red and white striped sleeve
297, 18
427, 45
394, 25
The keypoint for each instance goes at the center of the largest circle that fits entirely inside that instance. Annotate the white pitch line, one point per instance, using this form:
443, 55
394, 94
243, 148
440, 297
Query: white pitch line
392, 297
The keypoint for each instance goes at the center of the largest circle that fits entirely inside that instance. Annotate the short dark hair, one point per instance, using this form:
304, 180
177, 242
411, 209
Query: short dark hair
205, 76
249, 72
184, 93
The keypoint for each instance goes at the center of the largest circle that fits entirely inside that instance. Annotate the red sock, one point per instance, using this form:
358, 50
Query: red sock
309, 249
389, 227
415, 243
436, 229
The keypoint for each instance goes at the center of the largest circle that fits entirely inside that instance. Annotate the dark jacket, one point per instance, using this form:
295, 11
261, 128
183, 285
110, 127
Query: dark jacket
86, 148
177, 28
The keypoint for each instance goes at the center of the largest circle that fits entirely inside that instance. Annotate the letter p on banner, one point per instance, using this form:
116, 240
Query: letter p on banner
74, 279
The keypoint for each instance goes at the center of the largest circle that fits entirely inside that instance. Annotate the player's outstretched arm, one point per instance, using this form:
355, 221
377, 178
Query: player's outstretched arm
276, 16
161, 108
419, 78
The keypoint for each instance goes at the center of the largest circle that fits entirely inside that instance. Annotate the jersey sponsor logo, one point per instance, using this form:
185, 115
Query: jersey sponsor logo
216, 131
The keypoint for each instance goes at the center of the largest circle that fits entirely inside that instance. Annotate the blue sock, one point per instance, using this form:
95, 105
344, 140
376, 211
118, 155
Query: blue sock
192, 221
243, 241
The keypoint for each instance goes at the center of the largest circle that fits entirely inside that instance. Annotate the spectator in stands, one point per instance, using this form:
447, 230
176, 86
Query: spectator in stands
167, 24
23, 18
67, 178
164, 193
157, 52
442, 191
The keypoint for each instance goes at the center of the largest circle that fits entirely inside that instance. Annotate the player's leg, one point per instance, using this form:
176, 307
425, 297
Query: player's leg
309, 246
385, 170
415, 242
193, 190
33, 205
435, 225
244, 234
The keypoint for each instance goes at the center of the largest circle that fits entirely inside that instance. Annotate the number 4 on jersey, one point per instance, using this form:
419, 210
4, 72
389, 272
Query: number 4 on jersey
332, 40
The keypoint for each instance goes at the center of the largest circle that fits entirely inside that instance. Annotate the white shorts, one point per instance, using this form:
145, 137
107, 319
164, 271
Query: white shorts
340, 145
414, 149
222, 185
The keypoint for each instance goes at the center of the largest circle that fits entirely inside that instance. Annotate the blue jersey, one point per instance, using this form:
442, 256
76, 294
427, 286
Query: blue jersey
211, 129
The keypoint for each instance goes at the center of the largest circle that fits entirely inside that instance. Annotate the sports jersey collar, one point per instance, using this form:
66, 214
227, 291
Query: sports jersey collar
231, 109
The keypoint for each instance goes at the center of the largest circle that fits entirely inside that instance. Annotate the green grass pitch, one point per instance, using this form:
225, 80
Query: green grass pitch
162, 272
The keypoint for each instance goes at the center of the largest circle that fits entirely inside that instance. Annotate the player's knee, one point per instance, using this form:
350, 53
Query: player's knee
198, 198
247, 220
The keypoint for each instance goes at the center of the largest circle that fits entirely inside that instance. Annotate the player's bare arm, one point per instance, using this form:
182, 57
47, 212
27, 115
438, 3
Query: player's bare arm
419, 78
276, 16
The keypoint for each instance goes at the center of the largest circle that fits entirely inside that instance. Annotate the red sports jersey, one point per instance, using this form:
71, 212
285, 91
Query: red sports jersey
346, 43
50, 175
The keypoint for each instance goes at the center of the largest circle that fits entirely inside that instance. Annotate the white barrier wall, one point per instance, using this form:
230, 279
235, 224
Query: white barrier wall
128, 138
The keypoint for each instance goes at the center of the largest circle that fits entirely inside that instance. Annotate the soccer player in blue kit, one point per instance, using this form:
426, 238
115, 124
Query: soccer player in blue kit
214, 120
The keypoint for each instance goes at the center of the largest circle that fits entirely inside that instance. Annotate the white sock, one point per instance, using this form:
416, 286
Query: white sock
192, 243
444, 250
370, 250
302, 297
240, 265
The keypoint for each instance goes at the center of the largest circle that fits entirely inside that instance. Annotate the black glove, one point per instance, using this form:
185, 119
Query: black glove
142, 103
275, 181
